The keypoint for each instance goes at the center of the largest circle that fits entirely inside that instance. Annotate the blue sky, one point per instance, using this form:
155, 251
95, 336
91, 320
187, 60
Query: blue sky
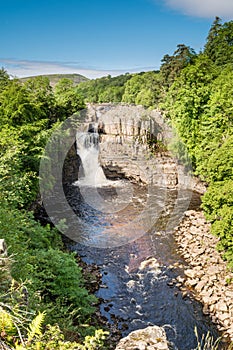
101, 37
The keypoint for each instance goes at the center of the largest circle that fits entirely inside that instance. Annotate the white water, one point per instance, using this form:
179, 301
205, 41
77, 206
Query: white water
91, 173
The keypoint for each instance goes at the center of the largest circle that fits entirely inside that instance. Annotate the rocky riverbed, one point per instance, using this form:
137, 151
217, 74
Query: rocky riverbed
207, 274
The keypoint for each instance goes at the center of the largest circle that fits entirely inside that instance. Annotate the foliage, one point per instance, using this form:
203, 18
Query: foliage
143, 89
199, 105
173, 65
21, 329
4, 79
54, 280
68, 99
43, 283
219, 45
106, 89
185, 102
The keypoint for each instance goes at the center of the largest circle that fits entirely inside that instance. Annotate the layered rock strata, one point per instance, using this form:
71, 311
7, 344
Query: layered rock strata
134, 143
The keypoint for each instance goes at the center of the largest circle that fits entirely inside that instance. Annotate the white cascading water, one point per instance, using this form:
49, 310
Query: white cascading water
91, 177
88, 150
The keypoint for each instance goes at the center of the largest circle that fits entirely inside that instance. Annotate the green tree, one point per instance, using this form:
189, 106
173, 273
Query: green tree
41, 96
144, 89
15, 105
185, 102
172, 65
219, 45
4, 79
68, 99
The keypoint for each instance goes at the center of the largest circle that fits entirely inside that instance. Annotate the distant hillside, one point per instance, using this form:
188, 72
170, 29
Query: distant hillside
54, 78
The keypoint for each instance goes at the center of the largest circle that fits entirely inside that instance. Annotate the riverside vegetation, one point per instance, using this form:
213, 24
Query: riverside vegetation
44, 301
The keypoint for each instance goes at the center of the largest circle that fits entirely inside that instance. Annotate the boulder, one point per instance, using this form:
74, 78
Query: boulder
150, 338
3, 248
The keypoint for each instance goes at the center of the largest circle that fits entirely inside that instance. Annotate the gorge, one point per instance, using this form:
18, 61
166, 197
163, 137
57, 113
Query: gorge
129, 222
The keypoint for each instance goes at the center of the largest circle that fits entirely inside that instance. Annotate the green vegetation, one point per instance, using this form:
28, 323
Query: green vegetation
106, 89
55, 78
44, 303
199, 105
49, 304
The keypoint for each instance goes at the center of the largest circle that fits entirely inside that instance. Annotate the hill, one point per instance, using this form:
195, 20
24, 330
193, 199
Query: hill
54, 78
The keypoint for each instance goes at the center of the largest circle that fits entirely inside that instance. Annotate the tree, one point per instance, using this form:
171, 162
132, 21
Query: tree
219, 45
173, 65
68, 99
144, 89
211, 38
15, 105
186, 100
4, 79
41, 95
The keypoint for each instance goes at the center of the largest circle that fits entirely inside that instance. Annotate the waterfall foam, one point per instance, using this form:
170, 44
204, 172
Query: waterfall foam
91, 174
115, 195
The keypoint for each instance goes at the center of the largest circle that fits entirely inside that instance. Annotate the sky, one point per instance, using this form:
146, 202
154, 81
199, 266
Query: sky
100, 37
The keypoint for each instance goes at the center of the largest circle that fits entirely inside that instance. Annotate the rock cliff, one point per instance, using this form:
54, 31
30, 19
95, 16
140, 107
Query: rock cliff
134, 143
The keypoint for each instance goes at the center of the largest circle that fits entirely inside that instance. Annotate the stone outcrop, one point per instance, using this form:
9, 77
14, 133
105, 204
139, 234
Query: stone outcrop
134, 143
150, 338
3, 248
3, 252
207, 275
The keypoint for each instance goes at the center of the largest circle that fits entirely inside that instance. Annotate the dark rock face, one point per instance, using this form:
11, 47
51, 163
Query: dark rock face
71, 166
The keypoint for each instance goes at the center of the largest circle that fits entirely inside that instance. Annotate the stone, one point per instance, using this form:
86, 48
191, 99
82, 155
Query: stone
190, 273
200, 285
198, 247
221, 306
3, 248
192, 282
152, 338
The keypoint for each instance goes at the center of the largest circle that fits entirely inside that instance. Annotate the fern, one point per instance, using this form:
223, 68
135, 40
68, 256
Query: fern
35, 326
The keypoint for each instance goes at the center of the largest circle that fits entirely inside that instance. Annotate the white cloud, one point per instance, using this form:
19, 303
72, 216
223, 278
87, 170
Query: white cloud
26, 68
204, 8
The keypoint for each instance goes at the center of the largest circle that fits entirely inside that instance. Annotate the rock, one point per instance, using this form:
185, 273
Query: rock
124, 145
3, 252
150, 263
192, 282
221, 306
205, 264
200, 285
3, 248
150, 338
190, 273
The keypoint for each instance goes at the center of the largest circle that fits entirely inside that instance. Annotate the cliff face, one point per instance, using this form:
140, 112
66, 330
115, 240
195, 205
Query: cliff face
133, 144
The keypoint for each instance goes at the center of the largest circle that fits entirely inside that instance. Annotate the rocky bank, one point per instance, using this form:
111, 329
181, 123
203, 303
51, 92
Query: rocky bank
207, 274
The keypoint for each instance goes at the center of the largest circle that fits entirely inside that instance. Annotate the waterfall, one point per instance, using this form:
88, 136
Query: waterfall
91, 173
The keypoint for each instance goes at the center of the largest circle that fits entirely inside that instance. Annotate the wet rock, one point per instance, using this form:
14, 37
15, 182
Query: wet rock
150, 338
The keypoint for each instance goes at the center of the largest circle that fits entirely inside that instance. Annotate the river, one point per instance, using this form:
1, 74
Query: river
139, 275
